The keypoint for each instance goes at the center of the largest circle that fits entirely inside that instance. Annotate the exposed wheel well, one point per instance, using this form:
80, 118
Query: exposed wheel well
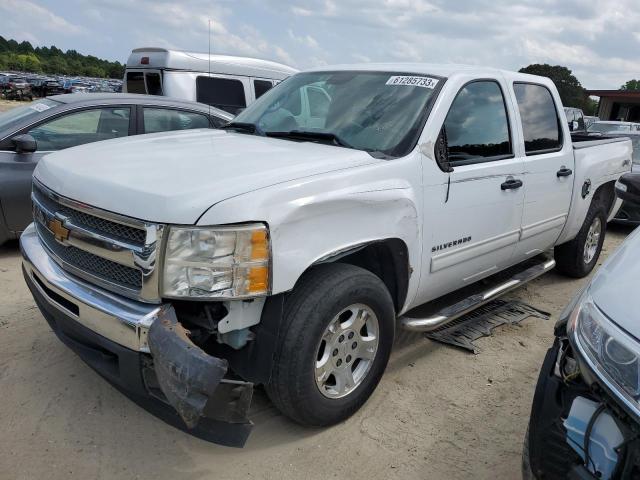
387, 259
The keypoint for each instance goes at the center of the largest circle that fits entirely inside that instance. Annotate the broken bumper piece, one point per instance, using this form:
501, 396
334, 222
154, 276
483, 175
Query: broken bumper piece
158, 368
193, 381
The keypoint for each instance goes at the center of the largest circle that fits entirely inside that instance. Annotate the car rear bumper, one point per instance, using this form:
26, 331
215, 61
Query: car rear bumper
141, 349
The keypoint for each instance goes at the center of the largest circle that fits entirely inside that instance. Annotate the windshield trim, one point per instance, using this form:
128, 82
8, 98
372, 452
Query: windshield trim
406, 144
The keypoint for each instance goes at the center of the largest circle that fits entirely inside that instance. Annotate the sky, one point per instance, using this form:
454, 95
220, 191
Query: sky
598, 41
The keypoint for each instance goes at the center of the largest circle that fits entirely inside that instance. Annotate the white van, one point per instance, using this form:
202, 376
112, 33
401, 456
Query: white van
232, 84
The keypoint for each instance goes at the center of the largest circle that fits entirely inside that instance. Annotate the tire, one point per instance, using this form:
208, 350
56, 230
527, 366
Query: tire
310, 337
571, 257
527, 473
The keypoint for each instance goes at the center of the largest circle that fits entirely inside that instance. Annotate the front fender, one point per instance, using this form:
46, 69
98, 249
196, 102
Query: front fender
313, 218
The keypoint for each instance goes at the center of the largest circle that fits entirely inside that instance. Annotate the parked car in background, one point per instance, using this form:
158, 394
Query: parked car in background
14, 87
585, 417
45, 87
223, 81
588, 120
613, 127
575, 120
29, 132
283, 249
629, 212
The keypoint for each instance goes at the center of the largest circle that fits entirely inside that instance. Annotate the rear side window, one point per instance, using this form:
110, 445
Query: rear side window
135, 82
540, 122
319, 102
261, 87
477, 128
165, 120
224, 93
154, 86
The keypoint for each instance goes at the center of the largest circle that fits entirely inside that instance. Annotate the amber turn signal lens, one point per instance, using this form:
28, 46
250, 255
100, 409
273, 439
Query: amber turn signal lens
259, 245
258, 279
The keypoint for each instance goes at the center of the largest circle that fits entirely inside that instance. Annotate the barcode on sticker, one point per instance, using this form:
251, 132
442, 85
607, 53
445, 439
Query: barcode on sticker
426, 82
39, 107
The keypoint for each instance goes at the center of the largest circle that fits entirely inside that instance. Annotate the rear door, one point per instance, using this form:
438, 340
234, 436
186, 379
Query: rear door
474, 232
549, 165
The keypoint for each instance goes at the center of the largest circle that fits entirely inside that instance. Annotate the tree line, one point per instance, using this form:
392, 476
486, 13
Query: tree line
24, 57
571, 91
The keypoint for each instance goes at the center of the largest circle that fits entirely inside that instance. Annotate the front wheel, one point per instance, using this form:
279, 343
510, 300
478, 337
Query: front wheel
578, 257
334, 345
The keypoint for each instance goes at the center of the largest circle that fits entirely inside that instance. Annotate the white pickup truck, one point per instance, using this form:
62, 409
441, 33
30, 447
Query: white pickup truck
285, 250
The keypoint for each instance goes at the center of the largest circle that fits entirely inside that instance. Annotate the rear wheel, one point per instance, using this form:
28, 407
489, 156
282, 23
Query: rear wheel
578, 257
337, 334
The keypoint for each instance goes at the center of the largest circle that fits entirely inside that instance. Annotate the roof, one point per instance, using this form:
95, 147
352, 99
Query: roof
446, 70
615, 93
135, 98
203, 62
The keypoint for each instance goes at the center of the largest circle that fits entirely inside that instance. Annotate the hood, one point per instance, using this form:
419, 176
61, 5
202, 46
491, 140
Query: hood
614, 288
175, 177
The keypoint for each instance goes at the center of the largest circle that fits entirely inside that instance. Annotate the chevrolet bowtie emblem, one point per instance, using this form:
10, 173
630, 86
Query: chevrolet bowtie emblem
58, 229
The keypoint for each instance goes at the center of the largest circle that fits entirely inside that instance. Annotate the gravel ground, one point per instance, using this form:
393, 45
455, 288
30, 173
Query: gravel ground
438, 413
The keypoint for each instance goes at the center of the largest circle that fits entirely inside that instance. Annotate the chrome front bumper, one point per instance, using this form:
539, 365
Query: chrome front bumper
123, 321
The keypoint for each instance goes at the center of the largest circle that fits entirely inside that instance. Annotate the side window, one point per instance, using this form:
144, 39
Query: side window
135, 82
165, 120
154, 85
82, 127
580, 120
293, 103
318, 102
224, 93
261, 87
477, 128
540, 122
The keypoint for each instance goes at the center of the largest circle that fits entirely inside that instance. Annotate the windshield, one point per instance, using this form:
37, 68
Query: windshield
23, 113
609, 127
380, 112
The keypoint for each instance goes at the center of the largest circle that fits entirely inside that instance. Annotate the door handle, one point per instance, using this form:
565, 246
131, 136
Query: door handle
564, 172
511, 184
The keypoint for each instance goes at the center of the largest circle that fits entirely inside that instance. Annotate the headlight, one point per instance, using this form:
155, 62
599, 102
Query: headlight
217, 262
614, 353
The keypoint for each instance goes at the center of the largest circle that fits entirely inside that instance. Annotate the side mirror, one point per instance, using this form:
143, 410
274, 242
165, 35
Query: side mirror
441, 151
24, 144
574, 125
628, 188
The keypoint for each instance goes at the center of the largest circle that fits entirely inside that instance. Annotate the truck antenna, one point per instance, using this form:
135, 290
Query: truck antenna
209, 63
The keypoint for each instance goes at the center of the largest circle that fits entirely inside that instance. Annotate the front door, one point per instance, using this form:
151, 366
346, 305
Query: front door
549, 167
474, 231
63, 131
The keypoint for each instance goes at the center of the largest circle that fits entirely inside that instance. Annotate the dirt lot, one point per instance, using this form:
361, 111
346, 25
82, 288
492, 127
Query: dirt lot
438, 412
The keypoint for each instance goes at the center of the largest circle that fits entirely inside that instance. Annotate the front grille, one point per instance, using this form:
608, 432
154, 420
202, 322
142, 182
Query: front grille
95, 224
112, 251
100, 267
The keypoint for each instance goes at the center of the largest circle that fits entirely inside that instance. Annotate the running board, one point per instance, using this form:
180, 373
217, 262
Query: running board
456, 310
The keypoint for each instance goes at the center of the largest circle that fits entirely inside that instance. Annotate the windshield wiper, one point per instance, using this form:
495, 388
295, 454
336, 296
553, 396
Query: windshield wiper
326, 137
244, 127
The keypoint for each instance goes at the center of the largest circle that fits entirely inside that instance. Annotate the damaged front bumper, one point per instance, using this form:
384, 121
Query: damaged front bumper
141, 349
557, 433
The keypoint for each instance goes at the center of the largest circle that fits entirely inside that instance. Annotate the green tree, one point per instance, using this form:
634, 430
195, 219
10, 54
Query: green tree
631, 85
571, 91
22, 56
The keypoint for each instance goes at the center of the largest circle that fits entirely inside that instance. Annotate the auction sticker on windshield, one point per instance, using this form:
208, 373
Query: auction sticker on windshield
410, 81
39, 107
